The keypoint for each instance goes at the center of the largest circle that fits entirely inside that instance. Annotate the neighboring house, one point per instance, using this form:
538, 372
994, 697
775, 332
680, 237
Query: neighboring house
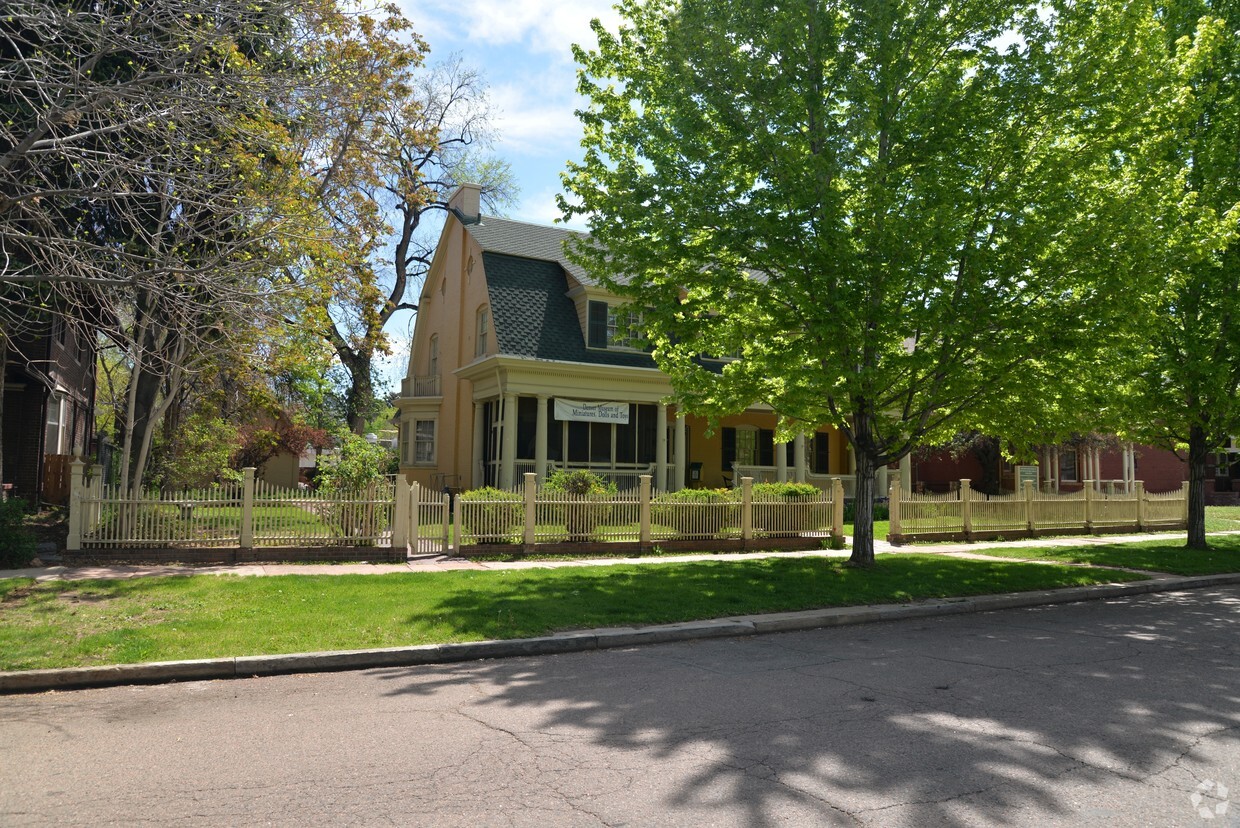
1062, 468
523, 363
49, 393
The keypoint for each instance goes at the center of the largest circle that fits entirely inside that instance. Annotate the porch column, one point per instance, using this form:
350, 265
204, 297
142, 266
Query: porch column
798, 458
881, 481
540, 440
660, 450
1130, 468
1046, 468
1055, 469
906, 473
508, 443
781, 462
682, 462
477, 475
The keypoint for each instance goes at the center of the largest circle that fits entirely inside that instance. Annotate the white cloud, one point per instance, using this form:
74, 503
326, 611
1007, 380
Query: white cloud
542, 25
534, 122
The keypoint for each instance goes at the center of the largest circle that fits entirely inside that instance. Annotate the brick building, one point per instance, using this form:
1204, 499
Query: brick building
49, 391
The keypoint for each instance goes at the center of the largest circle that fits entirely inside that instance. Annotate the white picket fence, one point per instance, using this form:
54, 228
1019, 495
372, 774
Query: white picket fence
532, 515
968, 513
396, 515
243, 515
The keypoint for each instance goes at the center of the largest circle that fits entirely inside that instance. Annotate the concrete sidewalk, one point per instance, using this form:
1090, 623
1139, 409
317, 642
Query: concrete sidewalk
443, 563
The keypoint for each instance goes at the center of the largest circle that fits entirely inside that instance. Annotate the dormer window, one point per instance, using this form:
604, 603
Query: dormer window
483, 331
614, 327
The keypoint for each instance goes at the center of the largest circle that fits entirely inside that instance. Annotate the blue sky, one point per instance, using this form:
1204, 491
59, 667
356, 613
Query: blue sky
524, 50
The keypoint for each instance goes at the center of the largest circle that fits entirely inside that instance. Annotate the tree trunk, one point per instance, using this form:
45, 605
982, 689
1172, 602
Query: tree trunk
360, 398
986, 450
4, 367
1198, 450
863, 510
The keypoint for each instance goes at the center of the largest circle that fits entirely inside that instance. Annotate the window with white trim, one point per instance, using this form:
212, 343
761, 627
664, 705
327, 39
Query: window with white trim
483, 331
614, 327
432, 360
424, 441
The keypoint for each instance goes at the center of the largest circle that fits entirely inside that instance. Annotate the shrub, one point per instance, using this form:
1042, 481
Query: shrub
490, 515
720, 508
786, 491
17, 543
589, 502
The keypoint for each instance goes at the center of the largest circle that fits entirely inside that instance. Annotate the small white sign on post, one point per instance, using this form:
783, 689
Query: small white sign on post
591, 412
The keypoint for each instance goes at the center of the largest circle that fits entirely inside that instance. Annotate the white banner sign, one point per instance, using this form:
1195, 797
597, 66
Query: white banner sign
592, 412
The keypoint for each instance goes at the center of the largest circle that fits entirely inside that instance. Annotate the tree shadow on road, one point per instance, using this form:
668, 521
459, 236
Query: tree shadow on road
1017, 717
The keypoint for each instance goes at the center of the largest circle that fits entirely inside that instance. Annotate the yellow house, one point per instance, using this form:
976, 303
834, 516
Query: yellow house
521, 363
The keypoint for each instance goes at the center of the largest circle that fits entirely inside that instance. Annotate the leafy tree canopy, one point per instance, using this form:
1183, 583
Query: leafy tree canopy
903, 218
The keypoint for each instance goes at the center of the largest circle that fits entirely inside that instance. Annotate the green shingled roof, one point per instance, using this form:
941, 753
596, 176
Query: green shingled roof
533, 316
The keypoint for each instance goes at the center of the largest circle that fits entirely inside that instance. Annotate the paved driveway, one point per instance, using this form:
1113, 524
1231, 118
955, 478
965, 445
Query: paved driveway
1107, 713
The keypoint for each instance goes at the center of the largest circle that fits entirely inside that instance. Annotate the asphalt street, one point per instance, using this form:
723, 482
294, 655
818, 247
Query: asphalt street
1107, 713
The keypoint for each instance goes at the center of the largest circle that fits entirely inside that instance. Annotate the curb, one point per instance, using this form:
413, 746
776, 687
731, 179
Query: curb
31, 681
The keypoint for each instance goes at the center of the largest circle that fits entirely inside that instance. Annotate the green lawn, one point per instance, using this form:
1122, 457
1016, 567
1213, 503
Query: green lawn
1222, 518
60, 623
1153, 555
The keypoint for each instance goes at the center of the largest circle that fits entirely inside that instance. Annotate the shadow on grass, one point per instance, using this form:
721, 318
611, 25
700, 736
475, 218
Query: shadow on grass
522, 603
1063, 715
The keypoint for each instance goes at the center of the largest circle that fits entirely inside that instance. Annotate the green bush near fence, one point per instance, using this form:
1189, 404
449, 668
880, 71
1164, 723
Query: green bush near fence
669, 509
17, 543
590, 505
492, 515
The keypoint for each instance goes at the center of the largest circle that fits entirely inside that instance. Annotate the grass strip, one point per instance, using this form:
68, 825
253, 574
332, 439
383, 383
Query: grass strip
79, 623
1153, 555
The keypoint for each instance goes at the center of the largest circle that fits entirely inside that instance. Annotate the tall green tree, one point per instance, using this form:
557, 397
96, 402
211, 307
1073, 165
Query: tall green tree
1188, 394
905, 218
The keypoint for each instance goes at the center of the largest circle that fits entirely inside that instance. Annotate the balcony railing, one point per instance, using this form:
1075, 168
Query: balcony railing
420, 386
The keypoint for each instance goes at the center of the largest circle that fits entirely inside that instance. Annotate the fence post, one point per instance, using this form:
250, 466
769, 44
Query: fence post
1029, 522
400, 515
746, 509
643, 511
415, 507
966, 510
451, 508
247, 508
76, 508
1089, 506
1138, 487
893, 510
837, 510
531, 487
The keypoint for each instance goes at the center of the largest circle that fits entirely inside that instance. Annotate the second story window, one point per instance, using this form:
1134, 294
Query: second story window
484, 330
614, 327
432, 360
